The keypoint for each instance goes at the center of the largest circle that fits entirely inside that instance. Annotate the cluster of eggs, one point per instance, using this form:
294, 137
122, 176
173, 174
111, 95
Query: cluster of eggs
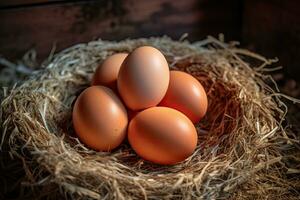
136, 96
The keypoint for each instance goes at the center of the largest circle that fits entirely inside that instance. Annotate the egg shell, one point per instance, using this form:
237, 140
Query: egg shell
162, 135
106, 74
143, 78
186, 94
99, 118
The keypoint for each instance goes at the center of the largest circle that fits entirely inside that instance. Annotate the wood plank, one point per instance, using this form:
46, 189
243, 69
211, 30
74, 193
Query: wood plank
68, 24
273, 29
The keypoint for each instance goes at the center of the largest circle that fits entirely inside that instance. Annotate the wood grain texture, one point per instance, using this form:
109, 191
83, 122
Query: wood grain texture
274, 28
66, 24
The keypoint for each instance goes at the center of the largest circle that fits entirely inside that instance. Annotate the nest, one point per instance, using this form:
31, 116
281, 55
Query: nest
239, 145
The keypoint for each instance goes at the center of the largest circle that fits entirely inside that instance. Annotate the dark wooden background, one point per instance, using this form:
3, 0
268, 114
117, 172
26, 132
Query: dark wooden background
270, 27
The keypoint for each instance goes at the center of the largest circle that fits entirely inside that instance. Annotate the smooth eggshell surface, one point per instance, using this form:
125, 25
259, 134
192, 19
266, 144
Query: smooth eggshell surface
162, 135
99, 118
107, 73
187, 95
143, 78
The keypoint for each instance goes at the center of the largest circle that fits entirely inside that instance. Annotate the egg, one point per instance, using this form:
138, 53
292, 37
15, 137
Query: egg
107, 73
186, 94
143, 78
162, 135
99, 118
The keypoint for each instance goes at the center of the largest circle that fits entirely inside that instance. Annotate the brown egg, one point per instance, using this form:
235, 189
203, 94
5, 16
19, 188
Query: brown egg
162, 135
107, 73
143, 78
99, 118
187, 95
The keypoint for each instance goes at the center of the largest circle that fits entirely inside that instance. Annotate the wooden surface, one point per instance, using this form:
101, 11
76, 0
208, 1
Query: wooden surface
272, 27
65, 24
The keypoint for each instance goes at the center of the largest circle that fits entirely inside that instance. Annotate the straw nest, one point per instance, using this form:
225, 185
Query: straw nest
240, 139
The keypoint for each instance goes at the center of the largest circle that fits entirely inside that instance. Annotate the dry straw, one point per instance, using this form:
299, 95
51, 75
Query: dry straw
241, 139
